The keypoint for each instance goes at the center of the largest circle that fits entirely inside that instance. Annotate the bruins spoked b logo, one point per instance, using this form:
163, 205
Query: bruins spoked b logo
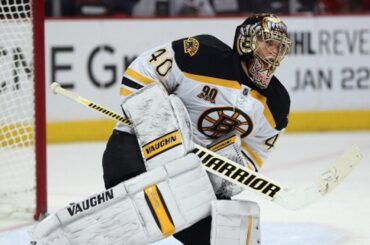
218, 121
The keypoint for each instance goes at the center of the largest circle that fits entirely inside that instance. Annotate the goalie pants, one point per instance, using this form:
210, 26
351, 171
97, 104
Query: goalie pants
122, 160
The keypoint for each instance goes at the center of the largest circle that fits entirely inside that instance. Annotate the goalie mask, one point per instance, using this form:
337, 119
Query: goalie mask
262, 42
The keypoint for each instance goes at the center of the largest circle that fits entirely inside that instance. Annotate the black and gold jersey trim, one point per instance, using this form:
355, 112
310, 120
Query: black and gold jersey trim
223, 144
132, 81
138, 77
129, 83
212, 58
213, 81
266, 109
254, 159
250, 161
275, 99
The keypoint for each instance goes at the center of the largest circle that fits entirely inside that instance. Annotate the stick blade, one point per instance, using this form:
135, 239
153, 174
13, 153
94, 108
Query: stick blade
295, 199
340, 169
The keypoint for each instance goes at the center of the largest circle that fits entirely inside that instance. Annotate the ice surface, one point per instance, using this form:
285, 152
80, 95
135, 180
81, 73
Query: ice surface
341, 218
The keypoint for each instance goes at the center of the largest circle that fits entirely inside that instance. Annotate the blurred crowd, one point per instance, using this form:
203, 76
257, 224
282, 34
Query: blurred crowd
200, 7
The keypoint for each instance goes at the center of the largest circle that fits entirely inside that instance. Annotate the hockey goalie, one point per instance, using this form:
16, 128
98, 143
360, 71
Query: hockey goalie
193, 90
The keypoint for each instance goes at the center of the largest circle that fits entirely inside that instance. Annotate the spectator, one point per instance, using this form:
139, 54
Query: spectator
339, 6
225, 6
88, 7
258, 6
365, 5
173, 8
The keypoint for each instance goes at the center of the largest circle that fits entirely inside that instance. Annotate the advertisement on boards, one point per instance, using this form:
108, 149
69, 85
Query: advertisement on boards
328, 68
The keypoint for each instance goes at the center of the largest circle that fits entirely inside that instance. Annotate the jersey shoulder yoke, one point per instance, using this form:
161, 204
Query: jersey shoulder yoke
206, 55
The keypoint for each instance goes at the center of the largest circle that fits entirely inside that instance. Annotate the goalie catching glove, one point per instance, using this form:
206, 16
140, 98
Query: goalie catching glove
228, 146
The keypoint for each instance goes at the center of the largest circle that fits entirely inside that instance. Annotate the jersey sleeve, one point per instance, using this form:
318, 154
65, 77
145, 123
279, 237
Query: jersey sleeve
272, 120
156, 65
256, 150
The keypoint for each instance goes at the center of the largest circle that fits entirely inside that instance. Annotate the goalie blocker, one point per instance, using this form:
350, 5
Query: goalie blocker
141, 210
161, 124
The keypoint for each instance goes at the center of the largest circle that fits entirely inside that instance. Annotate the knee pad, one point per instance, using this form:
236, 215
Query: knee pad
235, 223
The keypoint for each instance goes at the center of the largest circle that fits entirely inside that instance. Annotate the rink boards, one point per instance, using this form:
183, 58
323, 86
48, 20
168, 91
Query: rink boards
327, 73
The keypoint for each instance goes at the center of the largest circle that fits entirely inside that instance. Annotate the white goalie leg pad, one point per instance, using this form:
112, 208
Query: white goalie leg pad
228, 146
109, 217
142, 210
186, 193
162, 134
235, 223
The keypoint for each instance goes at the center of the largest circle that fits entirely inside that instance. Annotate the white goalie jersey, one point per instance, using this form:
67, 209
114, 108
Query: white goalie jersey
220, 98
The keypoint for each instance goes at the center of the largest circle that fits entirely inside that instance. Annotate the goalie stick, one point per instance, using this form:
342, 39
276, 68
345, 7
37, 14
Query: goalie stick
284, 196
